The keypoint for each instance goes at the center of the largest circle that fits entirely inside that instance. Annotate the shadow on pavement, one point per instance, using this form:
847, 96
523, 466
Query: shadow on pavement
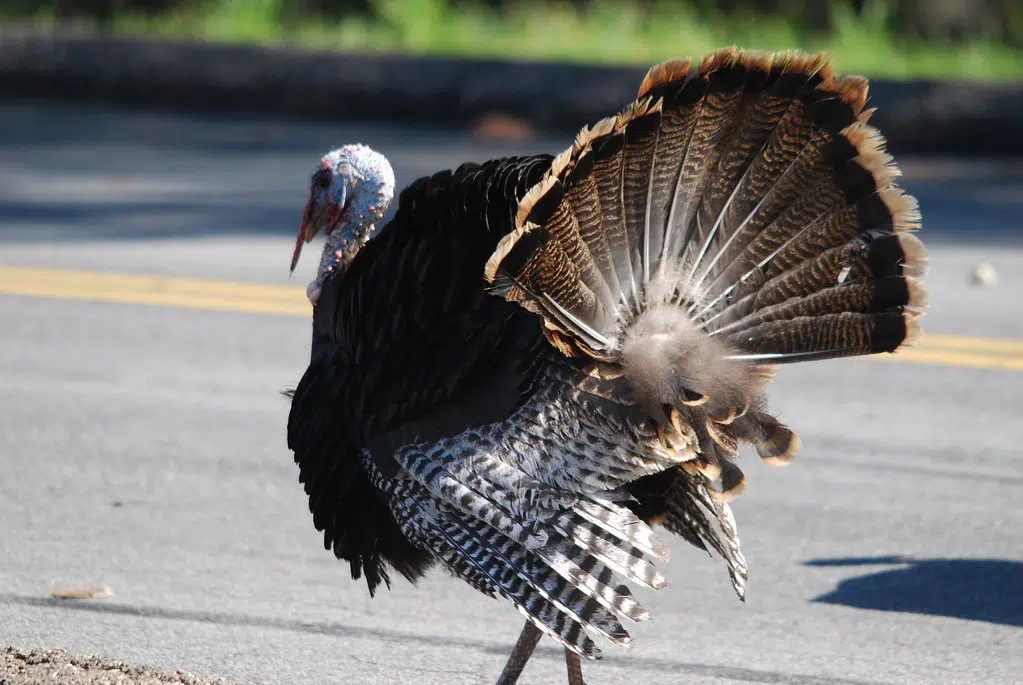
988, 590
490, 645
43, 222
118, 168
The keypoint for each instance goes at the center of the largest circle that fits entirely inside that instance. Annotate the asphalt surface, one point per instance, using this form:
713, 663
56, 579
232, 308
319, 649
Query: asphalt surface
143, 448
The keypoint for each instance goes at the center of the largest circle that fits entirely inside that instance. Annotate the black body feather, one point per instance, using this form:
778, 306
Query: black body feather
406, 346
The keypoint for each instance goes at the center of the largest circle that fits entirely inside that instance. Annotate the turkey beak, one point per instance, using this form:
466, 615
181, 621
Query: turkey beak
306, 232
326, 215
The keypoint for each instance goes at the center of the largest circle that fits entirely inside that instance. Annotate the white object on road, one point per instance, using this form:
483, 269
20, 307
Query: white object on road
985, 275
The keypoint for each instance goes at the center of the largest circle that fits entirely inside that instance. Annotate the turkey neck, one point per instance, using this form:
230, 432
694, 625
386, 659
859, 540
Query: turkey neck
356, 227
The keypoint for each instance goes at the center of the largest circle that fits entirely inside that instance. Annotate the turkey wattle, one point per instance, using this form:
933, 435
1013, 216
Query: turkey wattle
539, 358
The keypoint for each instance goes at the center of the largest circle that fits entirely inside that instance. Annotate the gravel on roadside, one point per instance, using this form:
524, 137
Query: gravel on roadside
59, 667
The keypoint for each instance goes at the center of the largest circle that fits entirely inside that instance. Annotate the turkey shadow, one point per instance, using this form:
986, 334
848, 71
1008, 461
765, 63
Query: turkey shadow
988, 590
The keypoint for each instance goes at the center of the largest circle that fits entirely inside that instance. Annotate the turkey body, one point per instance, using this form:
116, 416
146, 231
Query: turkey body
408, 345
539, 358
417, 367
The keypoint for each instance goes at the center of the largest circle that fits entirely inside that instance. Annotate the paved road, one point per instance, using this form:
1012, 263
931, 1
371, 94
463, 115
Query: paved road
142, 447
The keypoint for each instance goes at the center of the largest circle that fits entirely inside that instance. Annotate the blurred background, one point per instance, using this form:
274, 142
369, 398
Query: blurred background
980, 39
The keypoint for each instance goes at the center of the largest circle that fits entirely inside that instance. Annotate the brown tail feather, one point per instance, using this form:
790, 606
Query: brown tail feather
880, 295
735, 216
870, 256
709, 186
827, 336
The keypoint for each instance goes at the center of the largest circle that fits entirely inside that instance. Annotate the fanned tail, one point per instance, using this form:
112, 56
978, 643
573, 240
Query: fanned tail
752, 180
735, 216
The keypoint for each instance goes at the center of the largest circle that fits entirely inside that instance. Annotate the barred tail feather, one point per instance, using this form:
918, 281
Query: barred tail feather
501, 564
566, 588
712, 183
737, 215
560, 568
609, 548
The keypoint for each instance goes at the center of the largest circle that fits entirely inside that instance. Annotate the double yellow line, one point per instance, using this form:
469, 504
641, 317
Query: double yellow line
289, 300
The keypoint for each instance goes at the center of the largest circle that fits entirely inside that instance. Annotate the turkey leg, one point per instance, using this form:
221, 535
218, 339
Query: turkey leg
528, 638
575, 669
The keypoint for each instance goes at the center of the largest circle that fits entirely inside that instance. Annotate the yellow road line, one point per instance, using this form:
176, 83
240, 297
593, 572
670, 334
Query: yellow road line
290, 300
962, 342
155, 290
921, 354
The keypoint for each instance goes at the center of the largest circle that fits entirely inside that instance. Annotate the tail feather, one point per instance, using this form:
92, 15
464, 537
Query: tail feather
892, 212
709, 185
501, 565
872, 255
621, 555
888, 292
824, 337
566, 587
763, 225
593, 578
583, 199
735, 216
607, 173
748, 162
680, 113
774, 176
719, 110
638, 157
566, 229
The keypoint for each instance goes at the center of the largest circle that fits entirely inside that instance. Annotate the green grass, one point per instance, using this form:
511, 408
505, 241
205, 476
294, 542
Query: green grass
612, 33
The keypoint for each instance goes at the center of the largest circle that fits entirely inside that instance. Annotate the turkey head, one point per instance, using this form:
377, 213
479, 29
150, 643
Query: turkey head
349, 193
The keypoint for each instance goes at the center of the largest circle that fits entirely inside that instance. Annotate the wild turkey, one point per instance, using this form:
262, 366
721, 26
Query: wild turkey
540, 357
